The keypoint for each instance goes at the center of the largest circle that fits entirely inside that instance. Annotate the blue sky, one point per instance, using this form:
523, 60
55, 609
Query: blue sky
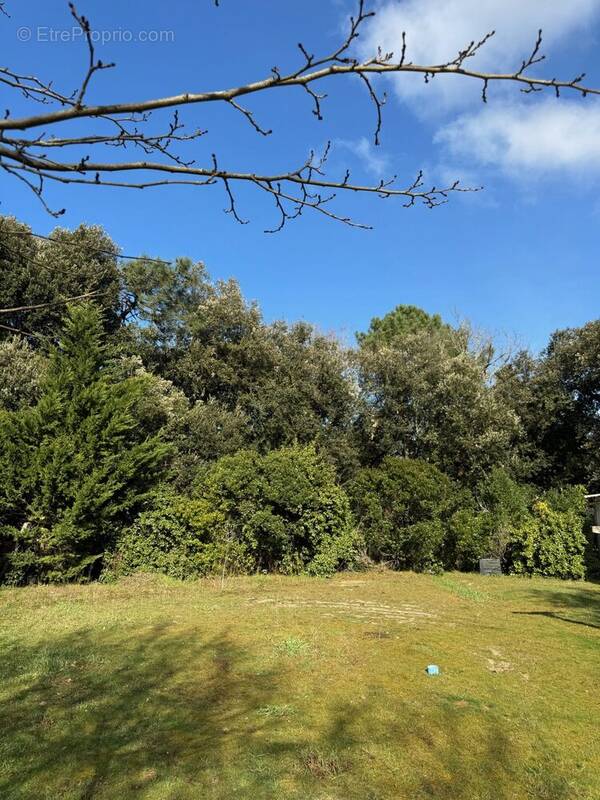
518, 259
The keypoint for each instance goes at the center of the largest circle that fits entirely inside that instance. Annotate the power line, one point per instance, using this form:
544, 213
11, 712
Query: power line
33, 262
93, 250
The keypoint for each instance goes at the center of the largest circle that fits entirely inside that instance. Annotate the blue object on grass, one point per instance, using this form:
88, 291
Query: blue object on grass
432, 669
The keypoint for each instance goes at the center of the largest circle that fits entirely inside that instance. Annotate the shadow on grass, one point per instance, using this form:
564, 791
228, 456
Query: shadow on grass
100, 714
120, 713
574, 606
450, 750
554, 615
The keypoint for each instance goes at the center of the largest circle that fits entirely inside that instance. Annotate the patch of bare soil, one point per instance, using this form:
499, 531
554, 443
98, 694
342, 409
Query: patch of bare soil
498, 662
364, 610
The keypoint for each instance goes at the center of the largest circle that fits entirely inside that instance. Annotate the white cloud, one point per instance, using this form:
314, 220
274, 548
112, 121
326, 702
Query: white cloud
549, 137
437, 29
513, 134
371, 157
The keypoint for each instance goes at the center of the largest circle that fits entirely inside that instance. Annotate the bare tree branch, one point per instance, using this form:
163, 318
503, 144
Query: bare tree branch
31, 87
304, 177
12, 329
94, 66
26, 157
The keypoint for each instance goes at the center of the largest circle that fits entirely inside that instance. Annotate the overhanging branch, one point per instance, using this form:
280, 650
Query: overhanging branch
26, 157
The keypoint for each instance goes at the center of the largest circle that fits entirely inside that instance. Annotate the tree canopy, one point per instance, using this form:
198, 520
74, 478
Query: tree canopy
129, 404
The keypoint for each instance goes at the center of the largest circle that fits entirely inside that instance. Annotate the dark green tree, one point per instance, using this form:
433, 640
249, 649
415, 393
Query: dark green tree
570, 377
250, 383
428, 393
45, 273
557, 397
159, 301
309, 395
402, 321
75, 466
229, 348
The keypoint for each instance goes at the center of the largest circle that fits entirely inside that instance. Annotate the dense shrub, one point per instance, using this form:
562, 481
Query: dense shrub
504, 507
179, 537
281, 512
283, 509
470, 537
532, 535
401, 508
552, 541
504, 498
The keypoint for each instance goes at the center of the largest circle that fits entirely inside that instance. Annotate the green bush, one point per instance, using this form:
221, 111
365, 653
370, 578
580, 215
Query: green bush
178, 537
485, 523
283, 510
552, 542
402, 509
471, 535
499, 494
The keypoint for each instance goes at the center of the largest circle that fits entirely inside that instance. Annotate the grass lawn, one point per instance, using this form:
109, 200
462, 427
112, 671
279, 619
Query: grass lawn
279, 687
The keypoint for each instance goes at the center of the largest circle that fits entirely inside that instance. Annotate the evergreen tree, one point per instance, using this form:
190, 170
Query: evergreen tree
76, 466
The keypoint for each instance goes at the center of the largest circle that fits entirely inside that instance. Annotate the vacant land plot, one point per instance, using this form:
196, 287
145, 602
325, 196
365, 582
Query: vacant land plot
301, 688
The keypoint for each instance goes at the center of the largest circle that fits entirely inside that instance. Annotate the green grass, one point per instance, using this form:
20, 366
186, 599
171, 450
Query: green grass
463, 588
293, 646
301, 688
